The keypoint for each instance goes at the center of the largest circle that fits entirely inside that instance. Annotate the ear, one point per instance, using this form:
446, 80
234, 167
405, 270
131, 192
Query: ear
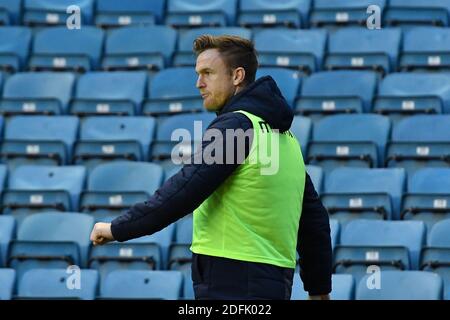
238, 76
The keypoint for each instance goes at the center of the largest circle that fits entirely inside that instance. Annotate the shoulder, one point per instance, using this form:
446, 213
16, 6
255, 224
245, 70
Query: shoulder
231, 120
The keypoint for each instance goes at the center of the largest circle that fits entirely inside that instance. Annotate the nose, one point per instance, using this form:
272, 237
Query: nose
200, 84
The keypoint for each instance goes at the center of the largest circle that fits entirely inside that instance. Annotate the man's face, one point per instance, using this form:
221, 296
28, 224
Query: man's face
215, 80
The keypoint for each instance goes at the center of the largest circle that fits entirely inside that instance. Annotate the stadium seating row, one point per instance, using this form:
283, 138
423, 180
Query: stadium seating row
390, 220
55, 239
191, 13
157, 47
53, 284
56, 283
62, 242
112, 187
363, 140
133, 93
51, 140
394, 285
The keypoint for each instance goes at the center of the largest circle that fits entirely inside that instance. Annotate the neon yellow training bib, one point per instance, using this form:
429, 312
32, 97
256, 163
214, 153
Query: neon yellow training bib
254, 215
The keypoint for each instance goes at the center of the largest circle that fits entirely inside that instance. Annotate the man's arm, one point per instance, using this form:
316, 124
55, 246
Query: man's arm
314, 244
179, 195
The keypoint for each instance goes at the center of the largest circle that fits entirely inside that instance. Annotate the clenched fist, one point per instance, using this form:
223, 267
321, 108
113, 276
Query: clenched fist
101, 234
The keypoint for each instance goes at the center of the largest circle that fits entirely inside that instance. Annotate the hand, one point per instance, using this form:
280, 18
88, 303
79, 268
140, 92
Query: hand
101, 234
320, 297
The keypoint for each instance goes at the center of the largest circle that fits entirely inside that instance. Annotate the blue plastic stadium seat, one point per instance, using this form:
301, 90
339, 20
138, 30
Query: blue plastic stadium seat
288, 81
420, 141
10, 12
168, 95
125, 256
436, 256
301, 128
3, 173
343, 287
426, 48
185, 56
144, 253
115, 186
41, 188
34, 130
180, 259
57, 227
54, 12
197, 13
359, 142
62, 49
332, 92
140, 284
417, 12
183, 144
118, 93
125, 176
163, 238
114, 13
39, 140
372, 193
401, 285
37, 93
7, 280
335, 228
14, 46
428, 197
317, 177
183, 230
389, 245
342, 12
136, 47
374, 49
7, 233
266, 13
104, 139
170, 171
51, 240
438, 236
79, 284
297, 49
298, 291
404, 94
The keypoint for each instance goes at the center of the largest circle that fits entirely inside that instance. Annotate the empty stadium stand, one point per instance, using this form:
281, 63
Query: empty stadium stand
89, 119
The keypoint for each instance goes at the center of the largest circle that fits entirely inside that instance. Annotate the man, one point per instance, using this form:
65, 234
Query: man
247, 225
